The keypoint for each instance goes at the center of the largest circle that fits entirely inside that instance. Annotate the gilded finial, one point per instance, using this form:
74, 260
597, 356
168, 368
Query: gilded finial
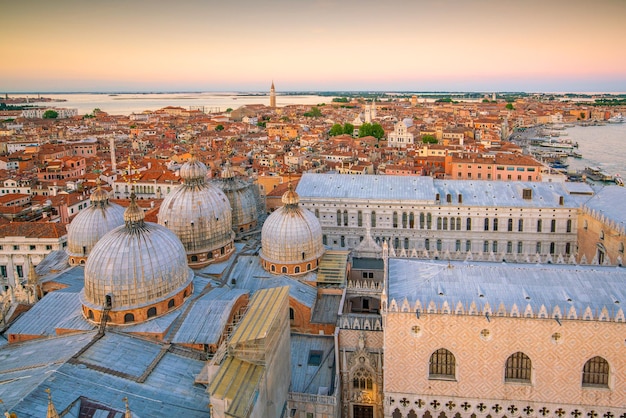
52, 412
127, 414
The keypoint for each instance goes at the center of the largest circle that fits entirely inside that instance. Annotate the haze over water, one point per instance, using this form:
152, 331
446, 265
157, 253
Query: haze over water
601, 146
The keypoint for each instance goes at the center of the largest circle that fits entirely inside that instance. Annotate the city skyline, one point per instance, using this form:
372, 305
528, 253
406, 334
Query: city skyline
486, 45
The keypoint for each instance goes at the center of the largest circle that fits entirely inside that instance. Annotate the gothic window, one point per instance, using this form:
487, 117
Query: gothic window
518, 368
596, 373
362, 379
442, 365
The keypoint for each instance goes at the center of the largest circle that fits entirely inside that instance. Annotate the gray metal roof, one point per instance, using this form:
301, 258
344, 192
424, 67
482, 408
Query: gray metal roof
522, 285
46, 315
249, 274
208, 317
423, 190
107, 372
326, 309
309, 378
367, 263
373, 187
608, 203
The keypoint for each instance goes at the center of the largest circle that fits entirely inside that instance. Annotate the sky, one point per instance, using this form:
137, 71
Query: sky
313, 45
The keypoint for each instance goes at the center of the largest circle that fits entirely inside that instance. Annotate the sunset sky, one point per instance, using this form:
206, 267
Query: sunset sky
242, 45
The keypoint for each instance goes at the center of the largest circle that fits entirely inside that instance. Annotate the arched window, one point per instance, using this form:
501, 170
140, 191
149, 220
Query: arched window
308, 266
171, 303
373, 219
458, 223
283, 269
411, 220
292, 314
568, 226
359, 218
362, 379
468, 224
518, 367
296, 269
495, 224
486, 224
510, 225
395, 219
90, 314
421, 220
596, 373
429, 221
539, 225
520, 225
553, 225
152, 312
273, 267
445, 223
442, 365
345, 218
438, 223
452, 224
194, 258
129, 317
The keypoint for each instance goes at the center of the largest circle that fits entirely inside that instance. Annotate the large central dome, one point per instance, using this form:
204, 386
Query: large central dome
291, 238
138, 270
200, 215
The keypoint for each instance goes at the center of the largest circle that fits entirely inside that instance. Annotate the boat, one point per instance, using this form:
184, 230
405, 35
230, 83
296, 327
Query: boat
596, 174
556, 143
616, 119
618, 180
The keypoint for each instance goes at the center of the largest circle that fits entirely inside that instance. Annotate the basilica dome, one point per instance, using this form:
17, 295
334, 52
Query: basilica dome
242, 197
138, 270
91, 224
200, 215
291, 238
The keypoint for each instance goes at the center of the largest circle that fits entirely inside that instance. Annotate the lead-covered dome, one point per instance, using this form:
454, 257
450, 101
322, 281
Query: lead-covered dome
242, 197
200, 215
291, 238
138, 269
91, 224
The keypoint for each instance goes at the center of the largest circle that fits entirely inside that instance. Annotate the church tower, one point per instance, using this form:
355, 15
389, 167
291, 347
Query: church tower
272, 96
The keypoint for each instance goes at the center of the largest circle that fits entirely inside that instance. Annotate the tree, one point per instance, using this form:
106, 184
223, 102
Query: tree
377, 131
365, 130
348, 128
429, 139
230, 109
50, 114
335, 130
314, 113
219, 127
509, 106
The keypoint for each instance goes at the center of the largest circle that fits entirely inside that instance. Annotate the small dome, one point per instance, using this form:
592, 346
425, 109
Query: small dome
193, 171
242, 197
290, 197
292, 238
200, 215
91, 224
137, 265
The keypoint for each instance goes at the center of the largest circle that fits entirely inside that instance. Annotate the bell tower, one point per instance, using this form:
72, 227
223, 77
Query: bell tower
272, 96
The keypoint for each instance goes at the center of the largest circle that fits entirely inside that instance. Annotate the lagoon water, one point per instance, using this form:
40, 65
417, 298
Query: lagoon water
602, 146
127, 103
